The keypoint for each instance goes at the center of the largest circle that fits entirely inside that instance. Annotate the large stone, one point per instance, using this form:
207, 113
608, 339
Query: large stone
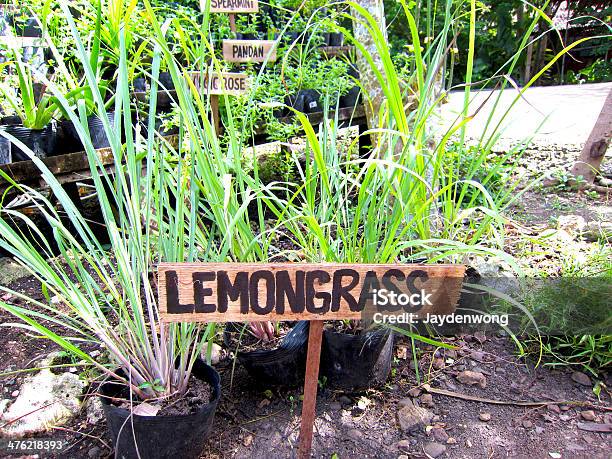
472, 378
434, 449
45, 399
411, 416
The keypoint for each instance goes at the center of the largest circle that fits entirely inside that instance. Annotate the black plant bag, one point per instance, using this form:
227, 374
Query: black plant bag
160, 437
356, 362
283, 366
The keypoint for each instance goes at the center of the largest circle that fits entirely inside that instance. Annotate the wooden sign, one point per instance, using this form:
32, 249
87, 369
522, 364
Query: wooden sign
249, 50
222, 83
239, 292
248, 292
231, 6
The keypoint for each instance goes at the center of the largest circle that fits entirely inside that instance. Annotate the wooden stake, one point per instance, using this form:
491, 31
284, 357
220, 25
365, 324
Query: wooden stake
214, 113
596, 145
232, 19
311, 382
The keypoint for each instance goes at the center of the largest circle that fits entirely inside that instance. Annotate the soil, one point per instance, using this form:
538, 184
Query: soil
197, 395
249, 342
348, 327
262, 423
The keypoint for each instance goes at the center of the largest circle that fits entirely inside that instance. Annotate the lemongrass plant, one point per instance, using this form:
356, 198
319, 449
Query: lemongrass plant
179, 203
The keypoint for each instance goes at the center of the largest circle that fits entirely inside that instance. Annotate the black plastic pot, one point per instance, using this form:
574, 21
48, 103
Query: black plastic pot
162, 436
356, 362
325, 37
312, 100
283, 366
165, 81
31, 29
247, 36
140, 84
336, 39
5, 151
40, 141
70, 140
353, 96
296, 101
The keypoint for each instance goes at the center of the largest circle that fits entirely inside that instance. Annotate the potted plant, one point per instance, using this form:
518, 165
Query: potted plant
32, 123
271, 354
155, 379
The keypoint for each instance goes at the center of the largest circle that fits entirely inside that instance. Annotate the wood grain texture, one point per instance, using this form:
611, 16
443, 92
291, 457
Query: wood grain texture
249, 50
311, 381
227, 292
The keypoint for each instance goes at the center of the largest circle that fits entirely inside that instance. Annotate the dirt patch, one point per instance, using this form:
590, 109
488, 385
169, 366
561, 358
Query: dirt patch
197, 395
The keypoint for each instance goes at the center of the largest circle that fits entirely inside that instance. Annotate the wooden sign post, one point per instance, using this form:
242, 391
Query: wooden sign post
249, 50
250, 292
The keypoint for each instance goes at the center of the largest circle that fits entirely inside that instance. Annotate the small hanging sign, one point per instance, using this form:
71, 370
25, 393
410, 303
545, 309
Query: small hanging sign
249, 50
233, 84
231, 6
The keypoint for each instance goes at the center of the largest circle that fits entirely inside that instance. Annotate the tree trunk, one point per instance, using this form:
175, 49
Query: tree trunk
367, 78
596, 145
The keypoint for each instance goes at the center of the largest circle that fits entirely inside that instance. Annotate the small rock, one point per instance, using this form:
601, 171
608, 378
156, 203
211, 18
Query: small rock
355, 434
485, 417
427, 400
439, 434
335, 406
527, 424
15, 393
565, 417
565, 407
438, 363
411, 416
588, 415
404, 456
580, 378
480, 337
216, 353
539, 430
404, 402
468, 443
434, 449
403, 445
94, 453
248, 440
479, 356
94, 410
345, 400
604, 181
451, 441
414, 392
553, 408
471, 378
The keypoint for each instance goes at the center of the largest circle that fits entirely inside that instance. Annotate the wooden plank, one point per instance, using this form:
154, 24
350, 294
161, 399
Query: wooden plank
66, 168
231, 6
311, 381
249, 50
249, 292
222, 83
